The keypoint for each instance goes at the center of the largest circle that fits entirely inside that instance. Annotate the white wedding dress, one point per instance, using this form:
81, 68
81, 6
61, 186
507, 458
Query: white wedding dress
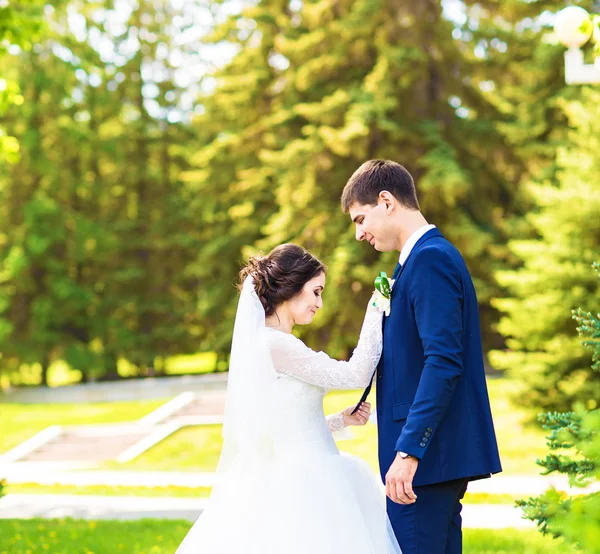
302, 496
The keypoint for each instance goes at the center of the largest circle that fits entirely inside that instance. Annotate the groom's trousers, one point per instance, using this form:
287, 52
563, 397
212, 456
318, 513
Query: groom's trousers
433, 524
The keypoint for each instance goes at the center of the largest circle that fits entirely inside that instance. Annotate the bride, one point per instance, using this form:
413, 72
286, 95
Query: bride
282, 485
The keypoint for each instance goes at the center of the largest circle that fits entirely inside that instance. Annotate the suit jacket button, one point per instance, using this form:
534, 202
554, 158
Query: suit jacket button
422, 445
429, 429
427, 433
425, 439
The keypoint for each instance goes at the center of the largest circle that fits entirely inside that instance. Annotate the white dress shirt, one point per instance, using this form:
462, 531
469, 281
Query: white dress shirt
412, 240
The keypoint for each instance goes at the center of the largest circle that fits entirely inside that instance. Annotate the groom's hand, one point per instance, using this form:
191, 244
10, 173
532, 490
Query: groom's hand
399, 478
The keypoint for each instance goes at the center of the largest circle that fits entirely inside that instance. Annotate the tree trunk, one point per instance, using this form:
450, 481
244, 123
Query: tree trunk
45, 363
111, 372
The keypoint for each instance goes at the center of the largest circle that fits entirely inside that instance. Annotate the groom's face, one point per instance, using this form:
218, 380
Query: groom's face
371, 225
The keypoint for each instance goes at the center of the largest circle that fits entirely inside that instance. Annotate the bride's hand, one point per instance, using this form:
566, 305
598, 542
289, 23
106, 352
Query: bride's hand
360, 417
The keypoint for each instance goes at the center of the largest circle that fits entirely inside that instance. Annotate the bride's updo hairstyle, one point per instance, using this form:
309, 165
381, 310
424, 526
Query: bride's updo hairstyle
281, 274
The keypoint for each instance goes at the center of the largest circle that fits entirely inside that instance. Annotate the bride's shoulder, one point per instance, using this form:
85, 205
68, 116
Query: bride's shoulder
281, 340
287, 350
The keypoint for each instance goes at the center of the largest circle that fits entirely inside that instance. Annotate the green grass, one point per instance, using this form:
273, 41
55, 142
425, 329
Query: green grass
68, 536
20, 422
107, 490
484, 498
520, 443
189, 449
364, 443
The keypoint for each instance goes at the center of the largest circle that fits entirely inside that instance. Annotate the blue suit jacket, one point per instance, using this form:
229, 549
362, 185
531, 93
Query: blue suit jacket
432, 399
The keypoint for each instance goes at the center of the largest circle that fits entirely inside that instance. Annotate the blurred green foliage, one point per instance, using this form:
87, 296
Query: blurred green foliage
96, 234
153, 149
574, 445
553, 277
20, 27
318, 88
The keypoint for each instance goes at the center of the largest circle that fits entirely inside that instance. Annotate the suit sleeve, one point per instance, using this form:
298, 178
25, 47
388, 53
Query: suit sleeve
437, 299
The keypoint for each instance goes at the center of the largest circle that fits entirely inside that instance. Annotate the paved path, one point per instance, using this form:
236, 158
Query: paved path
522, 485
15, 474
125, 390
527, 485
25, 506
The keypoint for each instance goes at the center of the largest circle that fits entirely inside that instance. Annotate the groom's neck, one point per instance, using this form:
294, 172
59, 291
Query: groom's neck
412, 220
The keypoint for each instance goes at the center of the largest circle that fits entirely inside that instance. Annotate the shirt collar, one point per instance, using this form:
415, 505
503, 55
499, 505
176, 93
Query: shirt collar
412, 240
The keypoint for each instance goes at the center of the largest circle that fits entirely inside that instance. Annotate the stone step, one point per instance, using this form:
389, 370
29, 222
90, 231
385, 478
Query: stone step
97, 443
70, 448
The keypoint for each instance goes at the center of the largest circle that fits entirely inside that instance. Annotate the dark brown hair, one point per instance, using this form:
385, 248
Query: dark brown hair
281, 274
374, 176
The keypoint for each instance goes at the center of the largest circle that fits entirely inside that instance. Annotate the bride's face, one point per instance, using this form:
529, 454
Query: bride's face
305, 304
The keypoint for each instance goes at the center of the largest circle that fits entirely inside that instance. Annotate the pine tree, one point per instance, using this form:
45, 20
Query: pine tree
20, 28
574, 446
231, 189
542, 351
154, 222
99, 227
316, 89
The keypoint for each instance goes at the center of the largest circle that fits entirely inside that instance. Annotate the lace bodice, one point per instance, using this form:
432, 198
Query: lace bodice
292, 358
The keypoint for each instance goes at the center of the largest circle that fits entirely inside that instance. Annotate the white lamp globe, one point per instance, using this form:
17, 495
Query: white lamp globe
573, 26
596, 27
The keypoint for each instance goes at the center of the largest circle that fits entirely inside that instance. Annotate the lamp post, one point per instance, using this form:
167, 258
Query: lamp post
574, 27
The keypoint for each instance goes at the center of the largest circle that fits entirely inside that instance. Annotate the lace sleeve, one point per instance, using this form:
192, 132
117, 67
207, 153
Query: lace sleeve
292, 357
336, 422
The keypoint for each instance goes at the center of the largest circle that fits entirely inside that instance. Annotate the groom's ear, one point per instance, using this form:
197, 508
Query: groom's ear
388, 199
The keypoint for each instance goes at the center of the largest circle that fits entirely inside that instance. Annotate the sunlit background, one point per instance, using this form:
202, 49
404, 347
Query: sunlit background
148, 148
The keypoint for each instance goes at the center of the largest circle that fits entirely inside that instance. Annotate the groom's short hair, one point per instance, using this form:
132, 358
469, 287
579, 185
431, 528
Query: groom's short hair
374, 176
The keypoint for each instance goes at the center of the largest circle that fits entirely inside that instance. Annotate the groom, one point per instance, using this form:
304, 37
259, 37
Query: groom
434, 421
